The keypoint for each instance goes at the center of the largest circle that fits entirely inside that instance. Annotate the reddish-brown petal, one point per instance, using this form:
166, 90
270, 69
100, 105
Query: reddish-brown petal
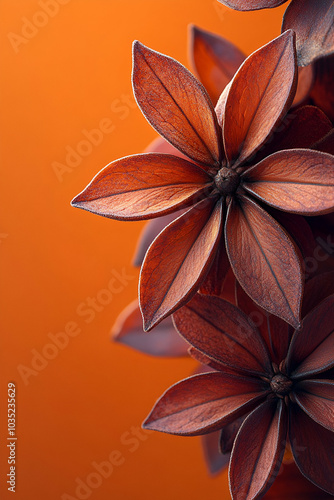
178, 260
326, 144
176, 105
165, 341
209, 363
300, 128
304, 86
223, 332
313, 22
296, 180
252, 4
214, 282
214, 59
150, 232
204, 403
143, 186
316, 398
229, 433
275, 332
160, 145
313, 449
317, 289
258, 451
215, 460
323, 91
260, 94
264, 259
312, 346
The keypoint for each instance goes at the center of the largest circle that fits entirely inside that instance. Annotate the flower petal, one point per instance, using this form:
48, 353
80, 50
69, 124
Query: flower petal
165, 341
316, 398
176, 105
275, 332
264, 259
177, 261
313, 23
215, 460
143, 186
311, 348
258, 451
304, 86
316, 290
296, 180
229, 433
215, 60
326, 144
323, 91
204, 403
252, 4
223, 332
313, 449
214, 282
260, 94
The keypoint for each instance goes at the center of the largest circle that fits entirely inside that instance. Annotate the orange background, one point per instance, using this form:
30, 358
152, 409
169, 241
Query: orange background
64, 77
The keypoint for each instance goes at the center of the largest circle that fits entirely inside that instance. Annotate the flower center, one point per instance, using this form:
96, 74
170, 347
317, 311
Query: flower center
281, 384
227, 180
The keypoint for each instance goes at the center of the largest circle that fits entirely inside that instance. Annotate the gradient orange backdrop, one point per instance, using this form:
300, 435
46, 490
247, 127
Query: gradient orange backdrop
66, 68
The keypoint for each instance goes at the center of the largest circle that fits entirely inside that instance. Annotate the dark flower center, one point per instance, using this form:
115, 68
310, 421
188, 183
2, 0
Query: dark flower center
281, 384
227, 180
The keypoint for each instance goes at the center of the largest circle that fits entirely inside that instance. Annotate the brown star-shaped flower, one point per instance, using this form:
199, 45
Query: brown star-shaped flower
253, 395
219, 182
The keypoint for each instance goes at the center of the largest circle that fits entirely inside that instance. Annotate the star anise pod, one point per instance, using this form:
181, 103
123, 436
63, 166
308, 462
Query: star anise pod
313, 22
266, 401
219, 181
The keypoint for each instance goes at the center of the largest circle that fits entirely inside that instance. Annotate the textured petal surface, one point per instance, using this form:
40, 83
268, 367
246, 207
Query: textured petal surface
260, 94
316, 290
326, 144
316, 398
305, 82
258, 451
165, 341
275, 332
176, 105
252, 4
264, 260
296, 180
313, 449
223, 332
178, 260
311, 349
203, 403
215, 60
143, 186
214, 282
313, 23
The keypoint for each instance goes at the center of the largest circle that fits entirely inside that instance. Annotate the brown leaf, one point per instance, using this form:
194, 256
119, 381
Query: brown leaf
143, 186
260, 94
258, 451
215, 60
176, 105
252, 4
214, 282
229, 433
313, 23
214, 459
177, 261
313, 449
311, 348
296, 180
222, 332
316, 398
204, 403
165, 341
316, 290
264, 260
